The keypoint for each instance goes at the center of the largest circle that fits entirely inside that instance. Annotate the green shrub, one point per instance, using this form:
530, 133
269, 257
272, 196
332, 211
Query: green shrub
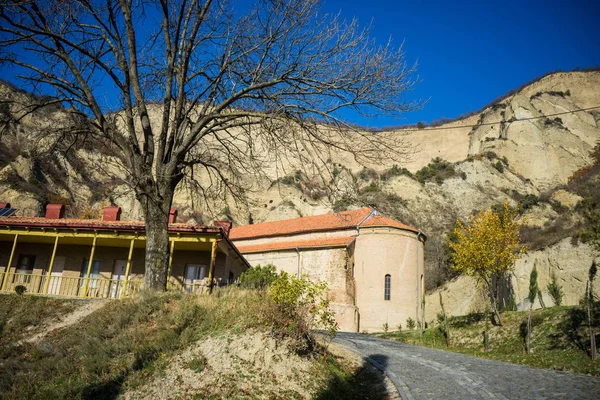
197, 364
437, 171
300, 305
410, 323
386, 327
20, 290
499, 166
399, 327
258, 277
395, 171
373, 187
367, 174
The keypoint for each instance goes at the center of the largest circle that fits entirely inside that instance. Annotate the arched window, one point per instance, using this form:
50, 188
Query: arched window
388, 287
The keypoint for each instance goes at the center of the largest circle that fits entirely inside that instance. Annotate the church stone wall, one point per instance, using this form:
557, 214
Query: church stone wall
382, 251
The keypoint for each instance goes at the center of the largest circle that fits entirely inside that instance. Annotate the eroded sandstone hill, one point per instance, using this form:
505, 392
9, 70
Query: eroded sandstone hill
523, 148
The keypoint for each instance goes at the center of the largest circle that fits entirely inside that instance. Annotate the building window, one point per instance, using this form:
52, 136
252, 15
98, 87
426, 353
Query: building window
25, 268
194, 273
388, 287
94, 273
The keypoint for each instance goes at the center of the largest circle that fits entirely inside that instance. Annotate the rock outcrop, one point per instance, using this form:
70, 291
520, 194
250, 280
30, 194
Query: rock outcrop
527, 144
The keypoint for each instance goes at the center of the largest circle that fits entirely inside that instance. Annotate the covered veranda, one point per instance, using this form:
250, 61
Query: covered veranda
52, 257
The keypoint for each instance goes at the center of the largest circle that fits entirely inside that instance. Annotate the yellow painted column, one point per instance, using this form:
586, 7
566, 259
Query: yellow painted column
10, 259
89, 269
170, 263
213, 264
127, 269
49, 274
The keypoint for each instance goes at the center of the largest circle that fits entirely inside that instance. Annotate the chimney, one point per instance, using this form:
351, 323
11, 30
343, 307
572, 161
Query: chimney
55, 211
4, 205
172, 215
112, 213
225, 225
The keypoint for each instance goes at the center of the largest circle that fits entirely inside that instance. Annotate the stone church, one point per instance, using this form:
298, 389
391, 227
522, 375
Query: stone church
373, 265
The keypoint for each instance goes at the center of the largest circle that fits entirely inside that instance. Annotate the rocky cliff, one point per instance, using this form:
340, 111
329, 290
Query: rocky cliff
523, 148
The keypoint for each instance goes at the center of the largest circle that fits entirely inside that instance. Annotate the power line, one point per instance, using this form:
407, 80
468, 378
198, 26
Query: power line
441, 128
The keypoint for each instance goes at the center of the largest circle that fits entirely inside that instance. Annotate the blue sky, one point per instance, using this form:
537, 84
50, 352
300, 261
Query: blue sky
471, 52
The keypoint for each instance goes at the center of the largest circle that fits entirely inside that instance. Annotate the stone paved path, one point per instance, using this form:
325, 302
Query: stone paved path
422, 373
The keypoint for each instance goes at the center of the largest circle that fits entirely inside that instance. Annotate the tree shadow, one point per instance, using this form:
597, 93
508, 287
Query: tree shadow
367, 382
109, 390
572, 331
506, 293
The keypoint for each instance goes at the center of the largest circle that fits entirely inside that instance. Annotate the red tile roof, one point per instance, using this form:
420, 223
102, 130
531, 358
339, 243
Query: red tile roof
343, 241
96, 224
317, 223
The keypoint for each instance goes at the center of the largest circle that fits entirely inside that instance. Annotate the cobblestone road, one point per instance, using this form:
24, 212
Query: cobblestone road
422, 373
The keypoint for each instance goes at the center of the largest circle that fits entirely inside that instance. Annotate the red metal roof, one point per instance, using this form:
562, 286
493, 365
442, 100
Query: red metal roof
343, 241
96, 224
317, 223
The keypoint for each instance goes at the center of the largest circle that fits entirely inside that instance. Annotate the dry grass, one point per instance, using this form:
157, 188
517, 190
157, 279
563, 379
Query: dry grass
559, 339
128, 344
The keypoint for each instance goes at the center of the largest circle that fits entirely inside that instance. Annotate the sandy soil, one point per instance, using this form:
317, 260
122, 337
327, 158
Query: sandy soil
86, 308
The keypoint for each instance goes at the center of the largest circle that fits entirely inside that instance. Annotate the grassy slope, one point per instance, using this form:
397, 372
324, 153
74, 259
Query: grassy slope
127, 344
559, 339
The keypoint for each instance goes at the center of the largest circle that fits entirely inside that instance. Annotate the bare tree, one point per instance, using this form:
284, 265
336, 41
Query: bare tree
235, 86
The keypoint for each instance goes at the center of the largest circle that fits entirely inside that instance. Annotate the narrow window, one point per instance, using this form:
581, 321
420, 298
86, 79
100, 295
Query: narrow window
388, 287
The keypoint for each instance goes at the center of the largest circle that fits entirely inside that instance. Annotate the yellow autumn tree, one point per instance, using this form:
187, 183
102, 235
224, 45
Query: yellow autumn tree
487, 249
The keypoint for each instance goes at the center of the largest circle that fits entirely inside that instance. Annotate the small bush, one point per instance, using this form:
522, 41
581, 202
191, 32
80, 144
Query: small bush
300, 306
410, 323
399, 327
385, 327
395, 171
20, 290
367, 174
373, 187
197, 364
526, 201
437, 170
258, 277
499, 166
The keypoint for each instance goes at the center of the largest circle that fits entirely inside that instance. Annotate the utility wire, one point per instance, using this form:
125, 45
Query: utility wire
440, 128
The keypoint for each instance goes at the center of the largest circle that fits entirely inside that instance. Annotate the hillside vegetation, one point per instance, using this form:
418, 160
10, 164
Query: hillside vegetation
559, 340
169, 345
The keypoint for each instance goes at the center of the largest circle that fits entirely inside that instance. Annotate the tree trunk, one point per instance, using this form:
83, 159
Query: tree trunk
494, 301
486, 343
157, 241
589, 299
528, 343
